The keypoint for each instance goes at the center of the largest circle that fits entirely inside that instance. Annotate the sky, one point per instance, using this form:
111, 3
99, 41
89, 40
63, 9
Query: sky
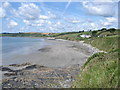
58, 17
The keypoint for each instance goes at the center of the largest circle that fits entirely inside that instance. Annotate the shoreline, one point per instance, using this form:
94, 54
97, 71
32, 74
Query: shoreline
58, 64
59, 53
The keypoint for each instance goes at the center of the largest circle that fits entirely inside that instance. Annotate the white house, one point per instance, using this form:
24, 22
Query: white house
85, 36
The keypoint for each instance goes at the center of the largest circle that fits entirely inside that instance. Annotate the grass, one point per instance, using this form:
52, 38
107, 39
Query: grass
101, 69
99, 72
104, 43
0, 35
24, 35
72, 37
92, 57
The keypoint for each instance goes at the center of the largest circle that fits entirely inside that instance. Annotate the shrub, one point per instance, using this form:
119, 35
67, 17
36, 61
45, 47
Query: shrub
94, 33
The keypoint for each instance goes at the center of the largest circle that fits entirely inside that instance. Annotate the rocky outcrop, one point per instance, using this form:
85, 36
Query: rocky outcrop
36, 76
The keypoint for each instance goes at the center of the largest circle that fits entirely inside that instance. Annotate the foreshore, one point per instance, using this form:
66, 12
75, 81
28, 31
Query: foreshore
56, 65
60, 53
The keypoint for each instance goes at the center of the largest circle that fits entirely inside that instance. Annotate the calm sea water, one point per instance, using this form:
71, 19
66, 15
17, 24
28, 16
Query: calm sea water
16, 46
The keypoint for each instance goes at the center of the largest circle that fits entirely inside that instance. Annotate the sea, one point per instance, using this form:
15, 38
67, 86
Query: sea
13, 47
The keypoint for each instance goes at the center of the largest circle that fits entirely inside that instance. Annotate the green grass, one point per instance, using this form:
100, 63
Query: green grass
99, 72
24, 35
101, 69
104, 43
0, 35
72, 37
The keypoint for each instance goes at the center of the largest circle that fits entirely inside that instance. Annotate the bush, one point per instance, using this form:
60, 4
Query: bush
112, 30
103, 29
94, 33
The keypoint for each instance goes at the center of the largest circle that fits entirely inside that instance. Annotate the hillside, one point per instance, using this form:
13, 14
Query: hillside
101, 69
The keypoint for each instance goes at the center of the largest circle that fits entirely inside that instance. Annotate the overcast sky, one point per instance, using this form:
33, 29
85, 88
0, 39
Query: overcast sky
58, 16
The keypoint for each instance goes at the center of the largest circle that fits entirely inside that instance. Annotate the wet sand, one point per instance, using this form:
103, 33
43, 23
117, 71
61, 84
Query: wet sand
61, 53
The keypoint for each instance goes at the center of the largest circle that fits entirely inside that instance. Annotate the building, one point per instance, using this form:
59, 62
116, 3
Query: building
85, 36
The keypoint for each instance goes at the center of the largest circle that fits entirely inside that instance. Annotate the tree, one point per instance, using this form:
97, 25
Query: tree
94, 33
112, 30
80, 31
103, 29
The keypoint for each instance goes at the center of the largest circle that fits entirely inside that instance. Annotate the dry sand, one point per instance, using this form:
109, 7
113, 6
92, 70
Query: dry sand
61, 53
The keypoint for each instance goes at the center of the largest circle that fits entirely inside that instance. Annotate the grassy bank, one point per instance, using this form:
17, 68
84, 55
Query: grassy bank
104, 43
101, 69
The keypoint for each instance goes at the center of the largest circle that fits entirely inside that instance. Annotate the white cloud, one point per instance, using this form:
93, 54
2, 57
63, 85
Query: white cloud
39, 22
12, 24
27, 22
43, 17
75, 21
89, 26
2, 12
28, 11
72, 20
100, 8
51, 15
109, 21
6, 4
112, 19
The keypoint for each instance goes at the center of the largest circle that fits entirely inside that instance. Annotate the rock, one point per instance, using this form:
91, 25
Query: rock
44, 49
31, 67
15, 79
18, 65
10, 74
6, 69
41, 76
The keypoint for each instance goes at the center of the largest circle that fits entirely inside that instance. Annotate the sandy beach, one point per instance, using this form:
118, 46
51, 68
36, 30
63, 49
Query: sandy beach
60, 53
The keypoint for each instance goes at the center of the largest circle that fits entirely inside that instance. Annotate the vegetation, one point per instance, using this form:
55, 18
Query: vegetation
24, 34
94, 33
101, 69
104, 43
67, 35
99, 72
